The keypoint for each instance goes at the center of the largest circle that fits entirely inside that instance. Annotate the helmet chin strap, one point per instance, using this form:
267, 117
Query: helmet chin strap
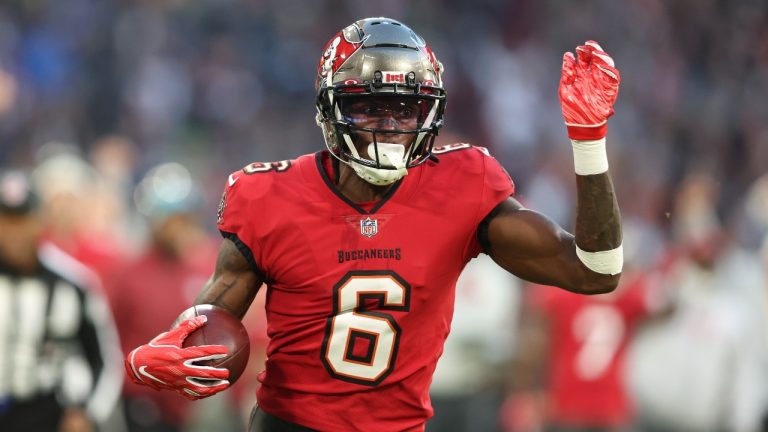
389, 154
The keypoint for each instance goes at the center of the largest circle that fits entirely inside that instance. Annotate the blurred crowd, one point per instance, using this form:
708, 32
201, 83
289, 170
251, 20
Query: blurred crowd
130, 114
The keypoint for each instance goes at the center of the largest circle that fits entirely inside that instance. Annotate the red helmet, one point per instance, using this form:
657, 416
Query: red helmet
379, 59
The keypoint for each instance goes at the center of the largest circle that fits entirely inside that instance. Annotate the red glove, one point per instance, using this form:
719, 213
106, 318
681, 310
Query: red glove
588, 89
164, 364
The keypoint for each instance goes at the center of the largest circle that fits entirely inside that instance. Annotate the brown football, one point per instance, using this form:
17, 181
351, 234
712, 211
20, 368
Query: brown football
222, 328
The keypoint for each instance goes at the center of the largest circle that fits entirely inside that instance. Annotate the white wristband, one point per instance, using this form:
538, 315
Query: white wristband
604, 262
589, 157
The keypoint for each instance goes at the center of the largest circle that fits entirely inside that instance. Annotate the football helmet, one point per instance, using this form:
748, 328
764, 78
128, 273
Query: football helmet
377, 78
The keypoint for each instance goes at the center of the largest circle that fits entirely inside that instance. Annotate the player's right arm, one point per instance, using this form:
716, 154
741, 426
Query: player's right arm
164, 364
234, 283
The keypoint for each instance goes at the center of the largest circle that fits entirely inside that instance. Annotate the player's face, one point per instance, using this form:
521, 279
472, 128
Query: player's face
385, 113
19, 235
175, 235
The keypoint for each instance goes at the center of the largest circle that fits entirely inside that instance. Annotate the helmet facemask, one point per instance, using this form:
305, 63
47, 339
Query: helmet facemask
381, 135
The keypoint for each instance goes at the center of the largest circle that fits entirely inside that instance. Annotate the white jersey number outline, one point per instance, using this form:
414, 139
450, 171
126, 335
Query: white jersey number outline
262, 167
352, 323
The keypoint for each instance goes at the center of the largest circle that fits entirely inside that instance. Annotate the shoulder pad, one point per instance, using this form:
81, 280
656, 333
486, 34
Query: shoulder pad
263, 167
458, 147
447, 148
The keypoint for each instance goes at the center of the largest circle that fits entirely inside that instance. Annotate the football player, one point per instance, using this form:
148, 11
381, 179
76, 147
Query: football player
361, 244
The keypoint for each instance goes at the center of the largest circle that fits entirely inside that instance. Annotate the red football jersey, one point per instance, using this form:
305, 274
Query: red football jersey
360, 297
589, 336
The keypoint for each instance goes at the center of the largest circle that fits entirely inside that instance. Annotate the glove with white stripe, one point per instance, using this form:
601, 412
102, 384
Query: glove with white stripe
164, 364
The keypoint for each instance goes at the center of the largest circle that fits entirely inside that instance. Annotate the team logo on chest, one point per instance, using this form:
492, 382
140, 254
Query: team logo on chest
369, 227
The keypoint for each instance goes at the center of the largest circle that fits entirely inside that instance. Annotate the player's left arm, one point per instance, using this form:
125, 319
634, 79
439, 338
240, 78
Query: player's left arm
531, 246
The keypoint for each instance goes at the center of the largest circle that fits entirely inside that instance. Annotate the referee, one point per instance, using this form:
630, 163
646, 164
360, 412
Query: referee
60, 364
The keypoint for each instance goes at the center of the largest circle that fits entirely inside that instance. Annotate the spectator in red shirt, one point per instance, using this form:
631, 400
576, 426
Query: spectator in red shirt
176, 262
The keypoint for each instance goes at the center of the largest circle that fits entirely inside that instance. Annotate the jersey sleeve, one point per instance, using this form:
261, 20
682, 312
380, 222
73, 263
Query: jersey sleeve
496, 186
236, 216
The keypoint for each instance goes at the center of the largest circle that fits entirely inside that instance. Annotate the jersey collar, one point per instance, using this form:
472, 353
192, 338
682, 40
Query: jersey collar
322, 159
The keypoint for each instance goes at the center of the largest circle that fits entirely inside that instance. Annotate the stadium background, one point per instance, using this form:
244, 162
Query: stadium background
94, 94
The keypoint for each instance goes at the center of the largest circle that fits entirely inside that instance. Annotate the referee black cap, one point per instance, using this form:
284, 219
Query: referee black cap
17, 194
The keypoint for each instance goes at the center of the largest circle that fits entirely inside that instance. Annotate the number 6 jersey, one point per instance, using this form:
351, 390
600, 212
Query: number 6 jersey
360, 296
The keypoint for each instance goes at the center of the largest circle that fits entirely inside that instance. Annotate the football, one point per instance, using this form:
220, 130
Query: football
222, 328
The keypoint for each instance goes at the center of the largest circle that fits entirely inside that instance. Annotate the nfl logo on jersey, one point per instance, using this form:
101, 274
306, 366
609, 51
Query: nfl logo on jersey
369, 227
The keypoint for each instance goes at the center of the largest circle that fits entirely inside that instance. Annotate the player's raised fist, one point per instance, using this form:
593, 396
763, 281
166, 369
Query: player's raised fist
589, 85
164, 364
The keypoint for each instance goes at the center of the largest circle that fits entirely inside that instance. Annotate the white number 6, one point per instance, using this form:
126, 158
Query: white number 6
351, 324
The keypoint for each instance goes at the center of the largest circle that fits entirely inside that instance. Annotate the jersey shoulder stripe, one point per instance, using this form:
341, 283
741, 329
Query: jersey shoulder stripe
457, 147
263, 174
472, 160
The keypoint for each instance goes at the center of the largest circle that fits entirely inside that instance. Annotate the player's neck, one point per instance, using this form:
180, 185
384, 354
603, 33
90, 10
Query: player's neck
355, 188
